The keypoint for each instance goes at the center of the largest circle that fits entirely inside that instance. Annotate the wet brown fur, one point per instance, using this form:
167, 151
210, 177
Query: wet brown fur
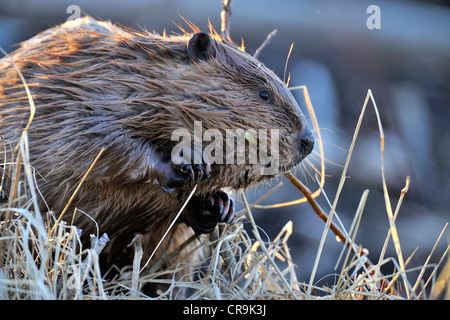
96, 85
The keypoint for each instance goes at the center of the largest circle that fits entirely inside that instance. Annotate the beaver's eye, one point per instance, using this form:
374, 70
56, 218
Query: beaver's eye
264, 95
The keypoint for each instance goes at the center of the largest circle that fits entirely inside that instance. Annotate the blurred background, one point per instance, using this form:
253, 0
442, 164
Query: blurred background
401, 53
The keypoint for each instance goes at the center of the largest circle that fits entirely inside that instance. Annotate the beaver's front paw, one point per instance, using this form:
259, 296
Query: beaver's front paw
177, 170
204, 212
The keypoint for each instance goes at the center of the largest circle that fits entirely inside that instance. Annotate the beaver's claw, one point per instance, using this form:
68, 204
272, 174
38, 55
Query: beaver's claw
204, 212
179, 170
186, 169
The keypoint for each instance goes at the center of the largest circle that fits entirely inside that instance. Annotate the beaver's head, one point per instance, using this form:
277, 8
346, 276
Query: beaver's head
225, 94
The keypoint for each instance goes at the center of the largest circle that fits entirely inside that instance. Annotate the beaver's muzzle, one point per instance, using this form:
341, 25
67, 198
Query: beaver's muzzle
305, 142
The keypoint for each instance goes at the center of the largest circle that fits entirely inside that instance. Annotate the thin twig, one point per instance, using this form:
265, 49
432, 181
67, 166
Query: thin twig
318, 210
402, 195
286, 64
77, 189
225, 15
265, 43
138, 252
393, 228
170, 227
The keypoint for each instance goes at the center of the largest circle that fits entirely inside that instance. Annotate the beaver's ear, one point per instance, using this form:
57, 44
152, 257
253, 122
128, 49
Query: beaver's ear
201, 47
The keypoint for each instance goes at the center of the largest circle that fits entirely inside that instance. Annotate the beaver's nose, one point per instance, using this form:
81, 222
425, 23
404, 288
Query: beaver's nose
306, 142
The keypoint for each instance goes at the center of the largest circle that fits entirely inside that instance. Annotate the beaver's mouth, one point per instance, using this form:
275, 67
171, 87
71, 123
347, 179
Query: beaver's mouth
290, 163
293, 150
302, 145
260, 172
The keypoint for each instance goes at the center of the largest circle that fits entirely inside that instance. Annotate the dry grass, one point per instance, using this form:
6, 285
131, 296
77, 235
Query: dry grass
41, 256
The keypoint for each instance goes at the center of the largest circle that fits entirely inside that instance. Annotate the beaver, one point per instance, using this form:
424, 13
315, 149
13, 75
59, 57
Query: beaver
96, 85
